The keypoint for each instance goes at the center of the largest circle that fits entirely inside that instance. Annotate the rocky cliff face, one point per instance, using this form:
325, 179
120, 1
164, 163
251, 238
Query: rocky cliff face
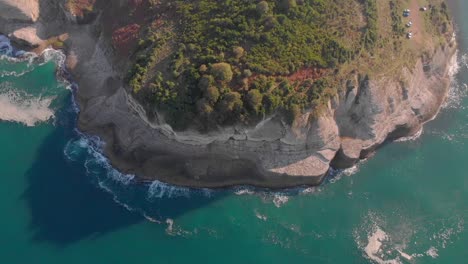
272, 154
20, 10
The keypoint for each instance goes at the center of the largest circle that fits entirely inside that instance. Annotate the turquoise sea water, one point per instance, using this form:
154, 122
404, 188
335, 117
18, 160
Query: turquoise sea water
60, 202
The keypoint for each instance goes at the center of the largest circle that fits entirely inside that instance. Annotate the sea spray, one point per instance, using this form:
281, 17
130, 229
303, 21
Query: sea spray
27, 105
159, 189
458, 91
23, 108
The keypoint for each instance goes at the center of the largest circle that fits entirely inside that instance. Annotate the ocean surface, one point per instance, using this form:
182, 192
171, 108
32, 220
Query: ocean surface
61, 202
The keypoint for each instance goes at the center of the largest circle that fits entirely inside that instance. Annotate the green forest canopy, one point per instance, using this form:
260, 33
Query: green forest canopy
236, 60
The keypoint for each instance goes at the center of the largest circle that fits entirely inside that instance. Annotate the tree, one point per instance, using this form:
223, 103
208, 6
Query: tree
203, 107
231, 102
263, 8
254, 99
238, 52
222, 71
288, 4
293, 113
205, 82
203, 68
271, 102
212, 94
247, 73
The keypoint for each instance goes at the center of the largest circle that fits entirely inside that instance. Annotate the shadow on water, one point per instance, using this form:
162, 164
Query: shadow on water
66, 206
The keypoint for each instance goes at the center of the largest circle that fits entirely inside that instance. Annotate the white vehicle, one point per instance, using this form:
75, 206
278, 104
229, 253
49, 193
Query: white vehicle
406, 13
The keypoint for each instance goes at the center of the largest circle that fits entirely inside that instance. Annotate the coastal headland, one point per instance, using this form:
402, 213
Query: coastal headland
378, 97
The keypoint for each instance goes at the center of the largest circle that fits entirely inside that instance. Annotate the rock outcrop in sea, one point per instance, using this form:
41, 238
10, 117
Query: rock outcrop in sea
367, 113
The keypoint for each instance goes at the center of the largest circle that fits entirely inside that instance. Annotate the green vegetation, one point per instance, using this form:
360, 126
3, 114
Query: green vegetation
219, 62
371, 34
397, 23
439, 18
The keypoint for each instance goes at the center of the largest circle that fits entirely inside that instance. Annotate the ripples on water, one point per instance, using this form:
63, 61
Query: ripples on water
394, 244
30, 105
380, 242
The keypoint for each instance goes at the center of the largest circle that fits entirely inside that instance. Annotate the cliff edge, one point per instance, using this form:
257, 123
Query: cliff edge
367, 111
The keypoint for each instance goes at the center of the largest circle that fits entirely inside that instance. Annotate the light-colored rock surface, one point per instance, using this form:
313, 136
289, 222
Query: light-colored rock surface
271, 154
20, 10
27, 35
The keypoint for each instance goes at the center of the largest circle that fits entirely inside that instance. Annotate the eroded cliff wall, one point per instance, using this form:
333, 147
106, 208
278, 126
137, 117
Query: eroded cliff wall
272, 154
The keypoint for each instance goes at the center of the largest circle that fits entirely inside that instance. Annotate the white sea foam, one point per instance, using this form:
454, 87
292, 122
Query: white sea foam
16, 74
411, 138
170, 225
159, 189
260, 216
151, 219
375, 242
280, 199
374, 249
458, 91
17, 105
386, 243
174, 230
445, 236
244, 191
432, 252
24, 108
455, 65
5, 46
311, 190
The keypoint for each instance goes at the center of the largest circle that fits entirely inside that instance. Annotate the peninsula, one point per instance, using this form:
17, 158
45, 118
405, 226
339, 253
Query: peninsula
218, 93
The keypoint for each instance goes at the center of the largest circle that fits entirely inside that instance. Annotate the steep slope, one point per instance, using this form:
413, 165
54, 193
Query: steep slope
388, 103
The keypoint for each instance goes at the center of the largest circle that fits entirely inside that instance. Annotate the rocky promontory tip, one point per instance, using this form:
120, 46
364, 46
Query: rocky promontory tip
387, 90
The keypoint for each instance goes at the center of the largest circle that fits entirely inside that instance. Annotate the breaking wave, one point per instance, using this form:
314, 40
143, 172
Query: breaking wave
458, 89
24, 108
27, 105
147, 198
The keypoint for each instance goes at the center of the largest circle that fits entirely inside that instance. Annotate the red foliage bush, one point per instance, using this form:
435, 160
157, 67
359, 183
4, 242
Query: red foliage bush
125, 37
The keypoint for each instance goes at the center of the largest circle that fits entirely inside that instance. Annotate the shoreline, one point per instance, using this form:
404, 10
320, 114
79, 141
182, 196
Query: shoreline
282, 186
301, 155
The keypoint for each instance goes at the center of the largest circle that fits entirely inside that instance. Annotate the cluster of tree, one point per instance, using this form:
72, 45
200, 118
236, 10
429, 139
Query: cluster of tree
231, 59
371, 35
440, 18
397, 23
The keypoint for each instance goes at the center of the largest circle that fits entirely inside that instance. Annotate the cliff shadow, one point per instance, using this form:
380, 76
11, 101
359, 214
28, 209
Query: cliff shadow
66, 206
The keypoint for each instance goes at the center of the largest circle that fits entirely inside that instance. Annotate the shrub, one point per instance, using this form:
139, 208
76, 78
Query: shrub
203, 68
247, 73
